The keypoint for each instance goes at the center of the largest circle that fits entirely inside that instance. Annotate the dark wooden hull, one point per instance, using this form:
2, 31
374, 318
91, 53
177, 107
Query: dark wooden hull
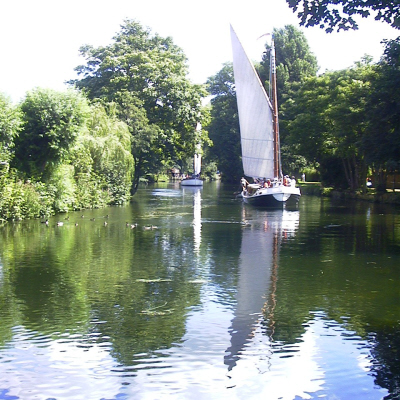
273, 199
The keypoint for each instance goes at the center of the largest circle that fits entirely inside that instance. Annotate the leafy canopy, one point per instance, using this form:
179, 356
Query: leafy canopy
294, 64
104, 149
382, 143
224, 126
10, 124
328, 122
331, 14
51, 123
146, 75
294, 59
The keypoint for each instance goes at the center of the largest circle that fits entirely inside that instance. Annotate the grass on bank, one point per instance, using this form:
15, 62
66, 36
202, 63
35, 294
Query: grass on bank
315, 188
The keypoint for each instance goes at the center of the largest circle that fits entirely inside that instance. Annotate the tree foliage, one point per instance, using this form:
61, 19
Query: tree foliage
294, 59
150, 72
382, 141
339, 14
224, 126
10, 123
107, 142
330, 123
51, 123
145, 137
294, 64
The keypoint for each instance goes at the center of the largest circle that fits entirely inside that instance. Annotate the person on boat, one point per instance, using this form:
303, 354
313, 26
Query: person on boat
244, 183
286, 180
293, 181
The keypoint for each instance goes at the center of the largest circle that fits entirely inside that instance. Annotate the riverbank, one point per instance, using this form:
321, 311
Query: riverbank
316, 189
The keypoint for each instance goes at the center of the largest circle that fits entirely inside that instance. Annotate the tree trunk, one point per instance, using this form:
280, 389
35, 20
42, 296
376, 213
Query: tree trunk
356, 174
352, 173
363, 177
346, 172
380, 180
136, 177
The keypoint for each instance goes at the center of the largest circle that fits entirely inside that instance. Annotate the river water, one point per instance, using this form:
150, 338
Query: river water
189, 294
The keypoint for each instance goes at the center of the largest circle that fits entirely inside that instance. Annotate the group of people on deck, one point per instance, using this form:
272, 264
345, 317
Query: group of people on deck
289, 181
267, 183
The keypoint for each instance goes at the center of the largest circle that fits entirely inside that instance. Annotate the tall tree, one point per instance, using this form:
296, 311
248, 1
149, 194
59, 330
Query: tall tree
294, 59
329, 123
10, 123
382, 141
349, 98
145, 137
309, 125
224, 126
108, 141
51, 123
153, 71
331, 14
295, 63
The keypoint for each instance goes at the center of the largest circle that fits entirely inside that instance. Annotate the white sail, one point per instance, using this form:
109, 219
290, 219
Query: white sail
255, 116
197, 164
197, 156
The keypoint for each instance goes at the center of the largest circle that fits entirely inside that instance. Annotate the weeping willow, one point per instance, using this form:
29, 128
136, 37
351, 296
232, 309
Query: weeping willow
103, 151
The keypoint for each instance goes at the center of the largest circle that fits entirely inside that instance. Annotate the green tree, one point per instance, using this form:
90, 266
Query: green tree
329, 123
10, 123
108, 141
224, 126
382, 141
331, 14
152, 71
294, 60
294, 63
349, 124
51, 123
309, 125
145, 137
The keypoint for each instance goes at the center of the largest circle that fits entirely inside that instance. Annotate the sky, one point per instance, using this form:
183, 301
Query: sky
40, 39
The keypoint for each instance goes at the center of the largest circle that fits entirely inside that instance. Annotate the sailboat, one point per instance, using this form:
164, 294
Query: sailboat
259, 133
195, 180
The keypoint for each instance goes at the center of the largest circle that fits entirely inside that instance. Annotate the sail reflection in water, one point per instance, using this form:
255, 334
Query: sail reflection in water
195, 192
258, 268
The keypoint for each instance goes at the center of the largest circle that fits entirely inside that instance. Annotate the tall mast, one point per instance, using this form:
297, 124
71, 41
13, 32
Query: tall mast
274, 100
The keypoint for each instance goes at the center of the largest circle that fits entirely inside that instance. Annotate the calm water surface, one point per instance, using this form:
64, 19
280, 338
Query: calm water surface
204, 299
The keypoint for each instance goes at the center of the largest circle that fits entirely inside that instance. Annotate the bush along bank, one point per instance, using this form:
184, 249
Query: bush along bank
21, 199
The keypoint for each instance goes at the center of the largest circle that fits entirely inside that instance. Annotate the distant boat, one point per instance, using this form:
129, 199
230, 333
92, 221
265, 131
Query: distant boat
259, 132
195, 180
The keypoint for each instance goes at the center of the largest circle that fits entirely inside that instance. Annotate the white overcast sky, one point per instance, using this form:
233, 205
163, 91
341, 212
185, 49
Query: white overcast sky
40, 39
